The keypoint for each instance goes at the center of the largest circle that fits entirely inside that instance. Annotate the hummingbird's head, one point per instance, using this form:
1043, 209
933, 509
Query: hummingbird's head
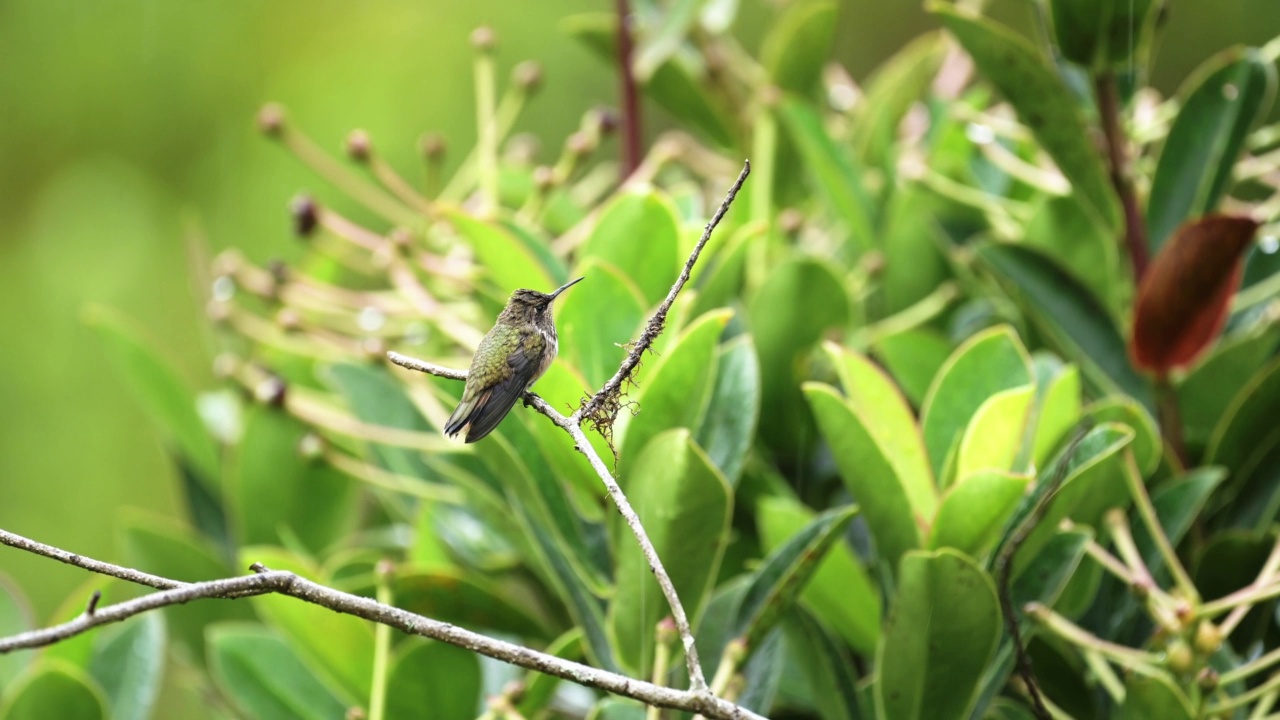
531, 303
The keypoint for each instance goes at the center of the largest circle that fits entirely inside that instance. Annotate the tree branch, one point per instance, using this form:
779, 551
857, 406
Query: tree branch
600, 410
1135, 225
266, 581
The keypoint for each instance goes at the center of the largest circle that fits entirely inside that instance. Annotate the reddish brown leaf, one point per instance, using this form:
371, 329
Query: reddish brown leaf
1185, 294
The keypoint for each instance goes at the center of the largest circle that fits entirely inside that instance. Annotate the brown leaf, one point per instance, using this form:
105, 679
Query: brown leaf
1184, 296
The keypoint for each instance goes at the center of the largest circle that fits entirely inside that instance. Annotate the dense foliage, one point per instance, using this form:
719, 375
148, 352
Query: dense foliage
910, 356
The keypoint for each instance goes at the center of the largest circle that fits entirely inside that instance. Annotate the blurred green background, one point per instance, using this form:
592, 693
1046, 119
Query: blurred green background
124, 123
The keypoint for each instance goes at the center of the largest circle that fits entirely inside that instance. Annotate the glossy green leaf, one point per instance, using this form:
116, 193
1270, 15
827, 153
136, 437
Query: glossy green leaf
786, 573
15, 617
277, 493
613, 708
830, 674
719, 279
872, 394
78, 650
1059, 410
1071, 317
639, 231
994, 436
782, 336
660, 45
540, 688
1147, 443
1154, 696
975, 510
375, 397
163, 393
598, 318
508, 263
942, 631
127, 662
1229, 93
1206, 392
685, 505
985, 364
913, 358
1100, 33
868, 474
676, 392
900, 82
435, 680
911, 239
466, 599
537, 242
833, 171
342, 655
676, 84
264, 678
1041, 99
54, 690
729, 424
161, 546
1245, 441
840, 593
798, 44
1085, 248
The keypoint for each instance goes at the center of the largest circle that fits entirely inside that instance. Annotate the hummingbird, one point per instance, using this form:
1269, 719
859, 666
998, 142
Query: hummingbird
511, 357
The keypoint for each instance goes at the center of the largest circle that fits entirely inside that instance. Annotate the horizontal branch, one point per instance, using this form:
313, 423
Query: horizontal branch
266, 581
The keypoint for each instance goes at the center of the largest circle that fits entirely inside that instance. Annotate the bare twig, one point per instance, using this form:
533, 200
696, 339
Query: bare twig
600, 410
265, 581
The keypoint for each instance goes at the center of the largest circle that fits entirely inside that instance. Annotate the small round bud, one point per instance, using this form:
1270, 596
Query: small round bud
384, 568
373, 348
1141, 588
271, 119
1208, 638
225, 365
1208, 679
790, 221
306, 215
514, 691
607, 120
401, 237
359, 146
521, 149
279, 270
544, 178
483, 38
226, 263
310, 446
667, 630
432, 146
771, 96
1178, 657
355, 713
580, 143
289, 320
270, 391
528, 76
218, 312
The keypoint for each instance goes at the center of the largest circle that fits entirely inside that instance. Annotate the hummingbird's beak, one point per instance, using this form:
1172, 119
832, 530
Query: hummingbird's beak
564, 287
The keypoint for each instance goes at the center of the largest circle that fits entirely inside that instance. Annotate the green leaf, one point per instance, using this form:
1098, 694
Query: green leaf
830, 675
913, 357
675, 394
839, 593
676, 85
942, 631
1154, 696
54, 690
435, 680
994, 436
598, 318
1059, 409
342, 654
262, 675
833, 171
1085, 248
657, 47
720, 283
1070, 316
1245, 441
277, 493
975, 510
617, 709
985, 364
1206, 392
639, 231
1177, 505
798, 44
1147, 444
1101, 33
868, 474
1040, 98
15, 617
685, 505
375, 397
872, 394
899, 82
127, 662
1229, 94
510, 264
786, 573
729, 424
782, 335
159, 388
160, 546
540, 688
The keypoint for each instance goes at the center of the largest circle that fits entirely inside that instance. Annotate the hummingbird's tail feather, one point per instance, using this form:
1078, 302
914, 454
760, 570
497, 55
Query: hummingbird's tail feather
481, 414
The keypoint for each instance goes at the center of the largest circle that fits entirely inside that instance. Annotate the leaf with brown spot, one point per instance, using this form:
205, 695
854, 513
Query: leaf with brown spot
1184, 296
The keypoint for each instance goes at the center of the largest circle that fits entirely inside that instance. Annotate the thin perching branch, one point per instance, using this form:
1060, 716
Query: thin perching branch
265, 581
600, 410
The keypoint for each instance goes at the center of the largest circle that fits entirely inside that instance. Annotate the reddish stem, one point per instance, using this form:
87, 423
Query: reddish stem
631, 130
1135, 228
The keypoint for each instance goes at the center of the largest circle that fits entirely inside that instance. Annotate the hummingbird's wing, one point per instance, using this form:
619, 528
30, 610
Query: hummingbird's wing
482, 408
